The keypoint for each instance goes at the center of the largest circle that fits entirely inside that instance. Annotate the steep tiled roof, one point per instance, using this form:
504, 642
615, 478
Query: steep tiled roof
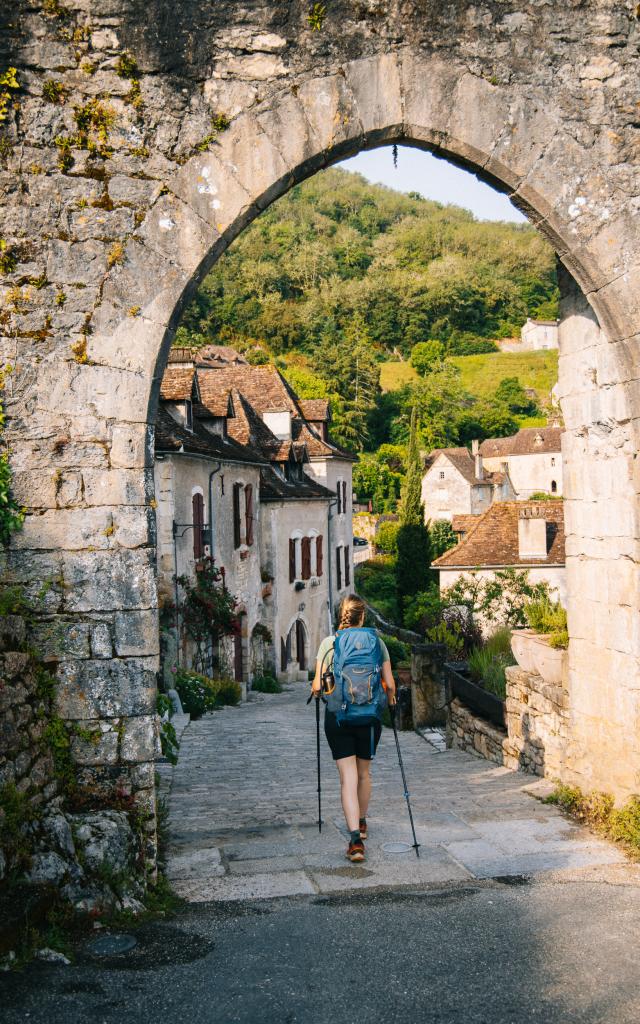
215, 399
219, 355
528, 441
173, 437
177, 383
315, 409
463, 523
274, 488
493, 541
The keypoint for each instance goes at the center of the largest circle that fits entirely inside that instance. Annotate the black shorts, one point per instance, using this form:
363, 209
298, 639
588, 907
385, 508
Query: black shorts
351, 740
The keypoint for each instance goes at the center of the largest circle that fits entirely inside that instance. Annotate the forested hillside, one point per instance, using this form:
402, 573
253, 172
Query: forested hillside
340, 276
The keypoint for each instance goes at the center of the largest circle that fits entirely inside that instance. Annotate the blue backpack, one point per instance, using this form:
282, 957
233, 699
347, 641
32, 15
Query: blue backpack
358, 697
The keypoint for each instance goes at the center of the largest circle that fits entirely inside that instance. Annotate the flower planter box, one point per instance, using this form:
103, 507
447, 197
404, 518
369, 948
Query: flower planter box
484, 704
534, 654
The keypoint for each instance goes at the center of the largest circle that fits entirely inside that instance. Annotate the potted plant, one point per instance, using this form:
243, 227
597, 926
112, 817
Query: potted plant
542, 648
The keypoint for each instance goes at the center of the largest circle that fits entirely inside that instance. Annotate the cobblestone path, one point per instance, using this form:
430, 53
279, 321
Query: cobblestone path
243, 813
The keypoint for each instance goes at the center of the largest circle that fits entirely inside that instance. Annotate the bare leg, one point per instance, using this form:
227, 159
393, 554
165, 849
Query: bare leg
349, 790
364, 785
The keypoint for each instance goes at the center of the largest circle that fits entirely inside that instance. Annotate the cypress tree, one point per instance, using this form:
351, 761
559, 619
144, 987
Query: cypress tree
413, 564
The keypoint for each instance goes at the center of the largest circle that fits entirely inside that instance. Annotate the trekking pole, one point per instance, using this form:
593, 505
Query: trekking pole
318, 698
392, 712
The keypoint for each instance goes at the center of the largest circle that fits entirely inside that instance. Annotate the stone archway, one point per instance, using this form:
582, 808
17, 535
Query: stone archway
82, 405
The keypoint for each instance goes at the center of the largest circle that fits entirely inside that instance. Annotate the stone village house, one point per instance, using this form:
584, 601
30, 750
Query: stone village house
246, 472
512, 534
455, 482
532, 458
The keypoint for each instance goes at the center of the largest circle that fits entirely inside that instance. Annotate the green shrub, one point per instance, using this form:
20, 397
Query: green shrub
168, 739
622, 824
386, 538
200, 694
423, 610
487, 663
398, 651
376, 582
266, 684
549, 617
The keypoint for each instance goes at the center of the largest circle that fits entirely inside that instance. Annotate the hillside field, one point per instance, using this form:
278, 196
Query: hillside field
482, 373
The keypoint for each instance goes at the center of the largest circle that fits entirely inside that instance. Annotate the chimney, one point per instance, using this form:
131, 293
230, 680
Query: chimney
532, 535
475, 451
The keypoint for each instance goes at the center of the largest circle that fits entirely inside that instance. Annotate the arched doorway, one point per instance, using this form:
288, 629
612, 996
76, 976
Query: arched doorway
93, 405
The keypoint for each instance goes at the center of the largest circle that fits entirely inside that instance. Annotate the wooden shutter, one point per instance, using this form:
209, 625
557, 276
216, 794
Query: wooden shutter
347, 565
306, 558
344, 495
300, 651
319, 565
339, 568
339, 493
283, 655
292, 560
237, 531
197, 512
248, 513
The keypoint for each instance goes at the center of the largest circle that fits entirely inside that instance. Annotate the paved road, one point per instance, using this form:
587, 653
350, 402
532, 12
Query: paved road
512, 914
243, 812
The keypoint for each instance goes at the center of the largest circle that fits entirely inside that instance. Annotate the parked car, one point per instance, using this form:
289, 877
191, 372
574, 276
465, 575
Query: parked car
360, 542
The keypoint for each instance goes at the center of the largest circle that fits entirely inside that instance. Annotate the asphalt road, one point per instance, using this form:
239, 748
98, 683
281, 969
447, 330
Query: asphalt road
479, 953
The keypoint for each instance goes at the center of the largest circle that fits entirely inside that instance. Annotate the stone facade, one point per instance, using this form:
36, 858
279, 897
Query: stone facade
466, 731
457, 484
114, 208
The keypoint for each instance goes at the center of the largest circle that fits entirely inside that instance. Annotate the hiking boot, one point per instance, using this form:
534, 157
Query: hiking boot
355, 851
362, 825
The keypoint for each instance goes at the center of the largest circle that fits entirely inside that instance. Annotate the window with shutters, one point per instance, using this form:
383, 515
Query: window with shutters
237, 525
319, 556
347, 565
248, 514
339, 496
292, 560
197, 518
339, 568
344, 496
283, 655
306, 558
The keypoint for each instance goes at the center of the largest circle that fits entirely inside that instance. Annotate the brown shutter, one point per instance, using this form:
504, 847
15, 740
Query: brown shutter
197, 511
292, 560
283, 655
339, 493
248, 513
237, 533
347, 566
306, 558
344, 495
319, 565
300, 651
339, 568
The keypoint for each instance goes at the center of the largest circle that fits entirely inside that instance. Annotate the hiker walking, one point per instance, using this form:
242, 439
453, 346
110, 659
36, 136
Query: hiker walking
353, 673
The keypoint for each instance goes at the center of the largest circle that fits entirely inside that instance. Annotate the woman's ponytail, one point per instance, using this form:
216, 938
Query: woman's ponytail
352, 611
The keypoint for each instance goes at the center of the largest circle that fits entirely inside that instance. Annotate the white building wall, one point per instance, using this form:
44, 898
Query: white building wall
176, 479
280, 522
535, 336
530, 473
555, 576
445, 492
328, 472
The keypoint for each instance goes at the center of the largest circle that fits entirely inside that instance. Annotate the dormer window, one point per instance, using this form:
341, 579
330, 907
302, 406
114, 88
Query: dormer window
188, 414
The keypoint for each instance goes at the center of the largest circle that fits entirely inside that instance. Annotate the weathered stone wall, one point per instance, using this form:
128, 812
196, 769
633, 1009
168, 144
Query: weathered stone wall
537, 724
466, 731
428, 685
120, 186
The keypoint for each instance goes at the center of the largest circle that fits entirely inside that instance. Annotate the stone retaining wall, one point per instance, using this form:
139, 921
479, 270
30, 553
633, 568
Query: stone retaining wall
465, 731
537, 720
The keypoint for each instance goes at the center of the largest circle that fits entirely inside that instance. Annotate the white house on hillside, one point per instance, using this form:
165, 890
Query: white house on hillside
539, 334
456, 482
532, 458
513, 534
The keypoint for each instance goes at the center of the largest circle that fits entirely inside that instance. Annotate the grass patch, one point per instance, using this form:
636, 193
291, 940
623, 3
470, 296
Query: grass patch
394, 375
598, 811
481, 374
